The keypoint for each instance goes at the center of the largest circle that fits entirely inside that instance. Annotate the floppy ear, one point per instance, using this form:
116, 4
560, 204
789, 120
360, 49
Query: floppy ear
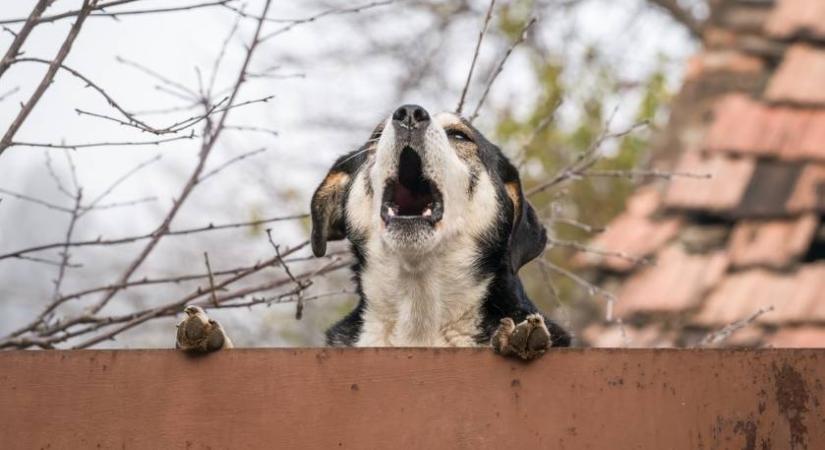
329, 200
528, 236
327, 210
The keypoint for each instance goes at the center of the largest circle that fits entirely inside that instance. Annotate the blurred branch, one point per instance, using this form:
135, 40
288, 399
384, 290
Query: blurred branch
9, 93
717, 337
578, 246
586, 159
681, 15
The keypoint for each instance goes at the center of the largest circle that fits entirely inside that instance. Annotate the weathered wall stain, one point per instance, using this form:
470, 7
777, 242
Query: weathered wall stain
792, 398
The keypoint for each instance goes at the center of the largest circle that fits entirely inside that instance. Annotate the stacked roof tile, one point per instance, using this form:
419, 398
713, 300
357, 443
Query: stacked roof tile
751, 238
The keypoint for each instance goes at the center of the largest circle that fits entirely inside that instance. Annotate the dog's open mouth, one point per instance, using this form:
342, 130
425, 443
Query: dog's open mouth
410, 196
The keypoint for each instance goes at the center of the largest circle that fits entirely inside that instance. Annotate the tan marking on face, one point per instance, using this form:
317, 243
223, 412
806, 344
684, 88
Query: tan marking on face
334, 181
465, 150
512, 189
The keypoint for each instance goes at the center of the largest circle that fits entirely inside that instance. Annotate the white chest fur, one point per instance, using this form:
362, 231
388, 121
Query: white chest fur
431, 303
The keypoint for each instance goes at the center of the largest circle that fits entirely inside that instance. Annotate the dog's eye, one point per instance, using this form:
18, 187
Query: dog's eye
458, 135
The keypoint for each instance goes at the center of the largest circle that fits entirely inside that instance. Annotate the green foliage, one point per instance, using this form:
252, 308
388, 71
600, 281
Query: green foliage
564, 135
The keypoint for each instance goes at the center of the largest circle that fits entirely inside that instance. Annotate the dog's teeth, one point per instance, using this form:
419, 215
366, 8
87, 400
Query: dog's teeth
428, 212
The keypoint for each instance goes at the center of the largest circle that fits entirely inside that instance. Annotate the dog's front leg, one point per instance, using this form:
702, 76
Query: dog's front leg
527, 340
197, 333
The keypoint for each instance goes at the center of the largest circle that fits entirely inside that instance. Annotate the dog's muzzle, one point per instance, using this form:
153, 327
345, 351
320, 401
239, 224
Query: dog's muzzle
410, 197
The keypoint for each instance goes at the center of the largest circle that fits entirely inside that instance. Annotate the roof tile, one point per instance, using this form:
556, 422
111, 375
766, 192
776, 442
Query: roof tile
632, 233
725, 60
745, 126
809, 192
627, 336
798, 337
799, 78
796, 297
723, 191
675, 283
797, 18
774, 243
769, 190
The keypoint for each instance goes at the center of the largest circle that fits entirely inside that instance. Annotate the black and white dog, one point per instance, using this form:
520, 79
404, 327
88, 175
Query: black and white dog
439, 227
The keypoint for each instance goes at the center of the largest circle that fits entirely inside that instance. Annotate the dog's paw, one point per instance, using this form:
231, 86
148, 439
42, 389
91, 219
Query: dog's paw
197, 333
527, 340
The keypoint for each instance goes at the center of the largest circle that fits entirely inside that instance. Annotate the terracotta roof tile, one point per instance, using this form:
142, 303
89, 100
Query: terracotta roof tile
632, 233
745, 126
675, 283
798, 337
725, 60
775, 243
629, 337
796, 297
797, 18
799, 78
809, 192
723, 191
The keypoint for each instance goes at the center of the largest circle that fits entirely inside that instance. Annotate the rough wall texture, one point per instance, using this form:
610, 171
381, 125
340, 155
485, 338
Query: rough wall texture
413, 398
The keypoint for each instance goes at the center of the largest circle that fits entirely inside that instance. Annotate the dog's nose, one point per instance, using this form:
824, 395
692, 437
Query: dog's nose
410, 116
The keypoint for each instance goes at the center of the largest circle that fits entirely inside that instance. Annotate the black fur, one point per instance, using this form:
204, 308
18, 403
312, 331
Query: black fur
515, 239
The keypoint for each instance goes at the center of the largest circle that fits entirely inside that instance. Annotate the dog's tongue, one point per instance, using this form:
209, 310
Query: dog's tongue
409, 203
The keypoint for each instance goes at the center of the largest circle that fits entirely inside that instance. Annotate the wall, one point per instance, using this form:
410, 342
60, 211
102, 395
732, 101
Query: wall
413, 398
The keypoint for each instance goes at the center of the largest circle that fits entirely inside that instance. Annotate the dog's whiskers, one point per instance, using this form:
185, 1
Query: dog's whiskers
356, 154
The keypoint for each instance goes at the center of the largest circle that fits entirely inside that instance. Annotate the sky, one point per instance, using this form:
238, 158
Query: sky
329, 94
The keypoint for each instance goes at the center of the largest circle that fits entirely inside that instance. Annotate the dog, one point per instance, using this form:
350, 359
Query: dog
439, 227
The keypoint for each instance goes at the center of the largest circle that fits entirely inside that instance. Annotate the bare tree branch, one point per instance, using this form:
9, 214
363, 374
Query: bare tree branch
131, 239
113, 3
21, 36
481, 34
500, 66
5, 142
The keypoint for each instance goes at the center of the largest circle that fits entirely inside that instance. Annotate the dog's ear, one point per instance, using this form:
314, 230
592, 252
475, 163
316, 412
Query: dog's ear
528, 236
329, 200
327, 210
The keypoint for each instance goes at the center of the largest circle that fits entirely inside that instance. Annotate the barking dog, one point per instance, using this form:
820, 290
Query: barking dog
439, 227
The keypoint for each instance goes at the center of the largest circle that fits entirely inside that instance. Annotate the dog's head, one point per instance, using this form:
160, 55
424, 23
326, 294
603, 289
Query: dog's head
422, 184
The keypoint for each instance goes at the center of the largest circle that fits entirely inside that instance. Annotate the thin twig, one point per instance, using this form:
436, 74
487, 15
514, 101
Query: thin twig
717, 337
335, 11
230, 162
481, 34
101, 144
299, 286
635, 260
212, 295
103, 6
34, 200
131, 239
48, 77
21, 36
209, 140
500, 67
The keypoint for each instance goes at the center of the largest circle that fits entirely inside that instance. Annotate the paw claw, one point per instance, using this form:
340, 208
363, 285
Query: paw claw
527, 340
198, 333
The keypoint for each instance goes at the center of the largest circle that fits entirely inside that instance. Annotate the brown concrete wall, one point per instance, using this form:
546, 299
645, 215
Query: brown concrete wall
413, 398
